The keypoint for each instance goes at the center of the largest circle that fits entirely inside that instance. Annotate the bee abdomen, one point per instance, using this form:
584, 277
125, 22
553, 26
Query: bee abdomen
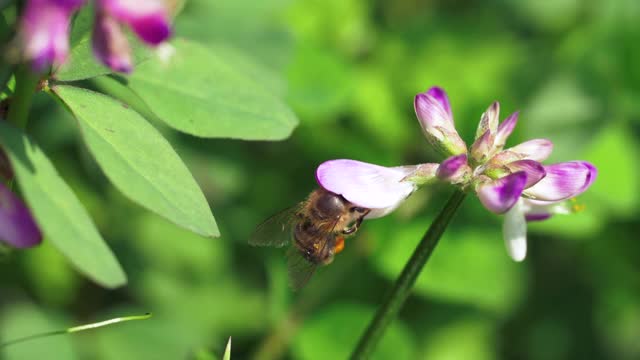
312, 244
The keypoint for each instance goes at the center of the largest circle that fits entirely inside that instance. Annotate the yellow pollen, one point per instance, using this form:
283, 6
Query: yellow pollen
577, 207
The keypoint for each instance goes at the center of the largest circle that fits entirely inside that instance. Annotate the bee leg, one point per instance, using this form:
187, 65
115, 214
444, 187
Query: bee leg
350, 230
353, 227
359, 222
339, 245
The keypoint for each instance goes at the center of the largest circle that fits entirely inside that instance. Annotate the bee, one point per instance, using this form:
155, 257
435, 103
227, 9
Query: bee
314, 229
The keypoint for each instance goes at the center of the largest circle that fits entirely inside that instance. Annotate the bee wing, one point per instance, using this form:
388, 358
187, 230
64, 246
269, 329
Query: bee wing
299, 268
277, 230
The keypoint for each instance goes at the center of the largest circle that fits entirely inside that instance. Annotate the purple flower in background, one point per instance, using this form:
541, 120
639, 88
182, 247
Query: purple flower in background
147, 18
17, 227
509, 181
110, 44
44, 31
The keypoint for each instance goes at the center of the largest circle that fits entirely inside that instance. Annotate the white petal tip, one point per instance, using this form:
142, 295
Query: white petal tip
519, 255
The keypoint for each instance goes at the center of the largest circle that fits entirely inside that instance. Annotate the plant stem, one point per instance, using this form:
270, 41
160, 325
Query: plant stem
76, 329
26, 82
5, 75
403, 285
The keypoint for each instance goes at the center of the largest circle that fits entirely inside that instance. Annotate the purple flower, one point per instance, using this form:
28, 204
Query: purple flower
454, 169
509, 181
110, 44
17, 227
147, 18
562, 182
44, 31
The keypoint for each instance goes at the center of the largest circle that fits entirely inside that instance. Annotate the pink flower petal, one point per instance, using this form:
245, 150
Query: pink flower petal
502, 158
489, 120
531, 217
452, 168
366, 185
482, 147
563, 181
153, 28
534, 170
441, 97
71, 5
514, 231
44, 31
536, 149
147, 18
505, 129
500, 195
433, 111
422, 174
110, 45
536, 210
17, 227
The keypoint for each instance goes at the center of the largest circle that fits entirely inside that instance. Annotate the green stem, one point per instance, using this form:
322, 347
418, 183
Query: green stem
76, 329
26, 82
403, 285
5, 75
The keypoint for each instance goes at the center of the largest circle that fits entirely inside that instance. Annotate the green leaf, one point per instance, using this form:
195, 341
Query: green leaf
227, 351
199, 92
138, 160
62, 218
82, 25
333, 333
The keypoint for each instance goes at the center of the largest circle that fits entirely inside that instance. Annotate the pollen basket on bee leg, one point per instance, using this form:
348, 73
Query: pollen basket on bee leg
339, 246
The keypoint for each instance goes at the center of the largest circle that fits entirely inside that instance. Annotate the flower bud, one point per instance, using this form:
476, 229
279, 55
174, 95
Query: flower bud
434, 113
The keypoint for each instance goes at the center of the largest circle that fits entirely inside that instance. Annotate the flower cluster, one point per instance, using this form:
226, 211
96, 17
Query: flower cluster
43, 32
511, 181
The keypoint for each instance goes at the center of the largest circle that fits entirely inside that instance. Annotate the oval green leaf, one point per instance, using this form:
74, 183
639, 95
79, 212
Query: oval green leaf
197, 91
138, 160
61, 217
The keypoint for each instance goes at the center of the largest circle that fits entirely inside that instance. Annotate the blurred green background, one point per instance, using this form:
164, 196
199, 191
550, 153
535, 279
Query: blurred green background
350, 70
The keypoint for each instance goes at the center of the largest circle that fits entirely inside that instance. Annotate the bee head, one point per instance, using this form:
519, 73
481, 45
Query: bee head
330, 205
